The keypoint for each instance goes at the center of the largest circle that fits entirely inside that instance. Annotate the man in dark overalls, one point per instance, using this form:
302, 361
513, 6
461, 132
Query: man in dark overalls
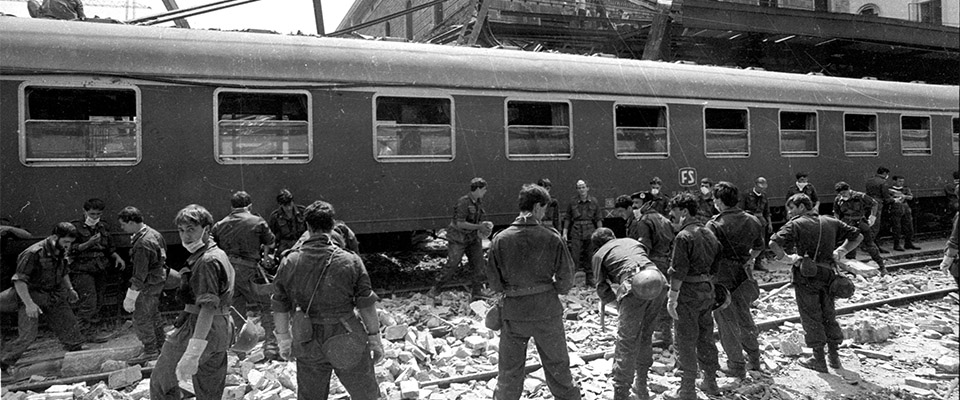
93, 253
755, 202
583, 217
653, 230
816, 237
148, 257
286, 222
462, 238
862, 212
901, 216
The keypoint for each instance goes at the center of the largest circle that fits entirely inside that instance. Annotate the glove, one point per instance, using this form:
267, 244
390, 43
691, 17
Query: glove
130, 302
792, 259
187, 367
72, 296
285, 343
871, 220
376, 346
945, 264
672, 298
838, 255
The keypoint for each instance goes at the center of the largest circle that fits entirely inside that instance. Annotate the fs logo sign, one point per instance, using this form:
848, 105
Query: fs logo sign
688, 177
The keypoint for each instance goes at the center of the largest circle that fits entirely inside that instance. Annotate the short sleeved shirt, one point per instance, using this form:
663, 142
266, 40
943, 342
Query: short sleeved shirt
42, 266
212, 277
241, 234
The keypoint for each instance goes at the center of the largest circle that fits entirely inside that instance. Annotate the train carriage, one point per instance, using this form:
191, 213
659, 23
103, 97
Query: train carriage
391, 133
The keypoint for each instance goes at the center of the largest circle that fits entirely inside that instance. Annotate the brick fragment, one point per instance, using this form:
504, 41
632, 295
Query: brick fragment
124, 377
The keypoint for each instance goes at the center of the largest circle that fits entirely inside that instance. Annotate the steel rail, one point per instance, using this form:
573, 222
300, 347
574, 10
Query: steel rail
909, 265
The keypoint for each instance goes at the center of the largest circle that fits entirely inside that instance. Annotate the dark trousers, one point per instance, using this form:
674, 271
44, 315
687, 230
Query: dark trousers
695, 330
86, 284
738, 332
148, 323
455, 251
818, 314
59, 318
313, 368
210, 379
581, 250
665, 321
248, 296
551, 344
901, 223
868, 244
634, 350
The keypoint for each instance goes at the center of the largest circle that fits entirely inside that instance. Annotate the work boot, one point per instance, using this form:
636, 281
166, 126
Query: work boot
818, 362
686, 391
709, 384
754, 364
897, 246
734, 372
833, 355
910, 246
148, 354
640, 387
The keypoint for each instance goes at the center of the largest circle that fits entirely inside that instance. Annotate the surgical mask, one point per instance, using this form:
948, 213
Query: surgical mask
802, 185
898, 187
704, 190
193, 246
654, 191
637, 213
91, 221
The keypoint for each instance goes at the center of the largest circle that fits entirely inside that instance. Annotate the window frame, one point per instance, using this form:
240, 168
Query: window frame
780, 130
876, 121
418, 95
242, 161
703, 116
919, 153
22, 122
533, 157
639, 156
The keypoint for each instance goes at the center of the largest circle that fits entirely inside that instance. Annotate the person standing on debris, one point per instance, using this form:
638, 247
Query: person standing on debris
654, 232
246, 238
691, 298
286, 222
878, 188
197, 348
93, 253
148, 257
529, 265
657, 198
639, 296
741, 241
862, 212
551, 217
327, 284
813, 237
804, 186
706, 209
901, 215
583, 216
756, 203
43, 287
463, 237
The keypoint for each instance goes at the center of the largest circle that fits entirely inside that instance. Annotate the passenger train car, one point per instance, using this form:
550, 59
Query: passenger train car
391, 133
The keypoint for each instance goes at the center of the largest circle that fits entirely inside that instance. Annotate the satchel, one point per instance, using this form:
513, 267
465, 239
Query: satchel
494, 318
346, 350
842, 287
301, 326
808, 267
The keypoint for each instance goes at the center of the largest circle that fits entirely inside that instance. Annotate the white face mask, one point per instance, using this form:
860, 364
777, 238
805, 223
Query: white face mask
704, 190
801, 185
91, 221
637, 213
654, 191
193, 247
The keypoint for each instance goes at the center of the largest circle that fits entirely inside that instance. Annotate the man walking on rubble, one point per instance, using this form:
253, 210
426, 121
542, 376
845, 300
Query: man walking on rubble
741, 241
639, 296
878, 189
862, 212
813, 237
463, 237
529, 265
148, 256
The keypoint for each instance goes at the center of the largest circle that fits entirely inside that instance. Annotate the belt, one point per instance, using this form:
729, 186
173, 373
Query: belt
698, 278
529, 290
195, 309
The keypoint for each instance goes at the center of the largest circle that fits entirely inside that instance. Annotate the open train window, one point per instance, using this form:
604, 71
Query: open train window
798, 134
538, 130
726, 132
262, 127
641, 131
915, 136
413, 129
79, 126
956, 136
860, 136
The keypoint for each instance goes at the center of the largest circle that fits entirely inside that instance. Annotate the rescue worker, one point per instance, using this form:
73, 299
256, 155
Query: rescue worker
583, 216
462, 237
623, 262
148, 257
691, 298
43, 288
551, 217
901, 215
654, 232
197, 348
949, 263
286, 222
657, 198
624, 208
246, 238
756, 203
93, 253
62, 9
878, 189
950, 191
741, 241
862, 212
804, 186
705, 207
529, 265
814, 236
346, 292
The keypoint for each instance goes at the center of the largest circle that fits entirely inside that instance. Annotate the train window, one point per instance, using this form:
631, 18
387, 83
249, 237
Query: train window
956, 136
262, 127
798, 134
915, 135
726, 132
860, 136
641, 131
538, 130
70, 126
413, 129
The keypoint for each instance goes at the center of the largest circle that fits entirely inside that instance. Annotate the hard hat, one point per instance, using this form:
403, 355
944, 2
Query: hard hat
173, 279
249, 335
648, 283
721, 298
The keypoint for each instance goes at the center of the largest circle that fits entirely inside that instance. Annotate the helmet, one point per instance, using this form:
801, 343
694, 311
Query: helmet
648, 283
721, 297
249, 335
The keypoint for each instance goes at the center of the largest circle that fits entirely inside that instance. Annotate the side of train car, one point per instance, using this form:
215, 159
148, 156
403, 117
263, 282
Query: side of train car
391, 133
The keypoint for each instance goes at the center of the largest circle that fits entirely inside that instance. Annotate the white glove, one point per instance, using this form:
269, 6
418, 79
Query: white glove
838, 255
285, 343
190, 361
945, 264
672, 298
130, 302
871, 220
376, 346
792, 258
